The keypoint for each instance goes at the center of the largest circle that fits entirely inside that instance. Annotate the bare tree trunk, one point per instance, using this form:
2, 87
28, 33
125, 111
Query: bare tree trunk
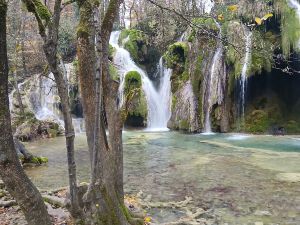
12, 173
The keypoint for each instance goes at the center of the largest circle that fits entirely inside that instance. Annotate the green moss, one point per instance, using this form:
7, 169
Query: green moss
257, 122
39, 160
176, 55
82, 32
113, 72
207, 22
43, 11
184, 125
132, 80
174, 102
133, 88
292, 127
263, 45
135, 44
111, 51
85, 27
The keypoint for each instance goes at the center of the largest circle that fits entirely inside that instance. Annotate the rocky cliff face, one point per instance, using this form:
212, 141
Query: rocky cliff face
264, 112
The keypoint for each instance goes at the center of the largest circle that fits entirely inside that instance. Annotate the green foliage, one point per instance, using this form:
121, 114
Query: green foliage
67, 37
290, 27
206, 22
132, 80
263, 45
257, 122
292, 127
113, 72
262, 52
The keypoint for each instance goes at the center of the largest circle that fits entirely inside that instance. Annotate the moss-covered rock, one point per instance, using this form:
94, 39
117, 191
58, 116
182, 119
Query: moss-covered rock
176, 57
135, 100
257, 122
34, 129
135, 42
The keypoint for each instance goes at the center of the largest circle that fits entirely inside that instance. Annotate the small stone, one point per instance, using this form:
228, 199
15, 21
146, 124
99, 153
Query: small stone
258, 223
262, 213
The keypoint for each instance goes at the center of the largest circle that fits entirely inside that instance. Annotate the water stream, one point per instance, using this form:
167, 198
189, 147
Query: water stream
241, 179
213, 89
243, 78
158, 100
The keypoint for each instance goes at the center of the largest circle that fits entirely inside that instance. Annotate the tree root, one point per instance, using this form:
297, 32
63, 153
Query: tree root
193, 215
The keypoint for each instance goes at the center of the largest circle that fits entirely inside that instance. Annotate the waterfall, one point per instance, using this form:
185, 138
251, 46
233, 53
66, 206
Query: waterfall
158, 101
296, 5
243, 78
205, 6
43, 100
213, 85
46, 103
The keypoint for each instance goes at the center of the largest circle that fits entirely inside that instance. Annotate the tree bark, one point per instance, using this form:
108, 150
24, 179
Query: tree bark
113, 113
19, 98
104, 200
86, 72
50, 48
12, 173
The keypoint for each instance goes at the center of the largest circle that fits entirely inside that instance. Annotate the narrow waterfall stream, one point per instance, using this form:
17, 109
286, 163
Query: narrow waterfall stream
158, 101
213, 92
243, 78
47, 104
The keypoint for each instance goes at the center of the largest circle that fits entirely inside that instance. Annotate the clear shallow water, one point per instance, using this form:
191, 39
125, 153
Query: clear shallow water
237, 176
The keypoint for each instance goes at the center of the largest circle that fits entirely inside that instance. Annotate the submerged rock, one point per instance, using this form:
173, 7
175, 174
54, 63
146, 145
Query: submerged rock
35, 129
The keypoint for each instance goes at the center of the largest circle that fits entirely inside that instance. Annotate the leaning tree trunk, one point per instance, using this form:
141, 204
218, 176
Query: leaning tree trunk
11, 171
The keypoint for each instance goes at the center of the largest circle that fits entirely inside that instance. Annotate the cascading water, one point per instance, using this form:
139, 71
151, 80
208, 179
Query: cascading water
46, 105
158, 100
213, 89
43, 100
205, 6
243, 78
296, 5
